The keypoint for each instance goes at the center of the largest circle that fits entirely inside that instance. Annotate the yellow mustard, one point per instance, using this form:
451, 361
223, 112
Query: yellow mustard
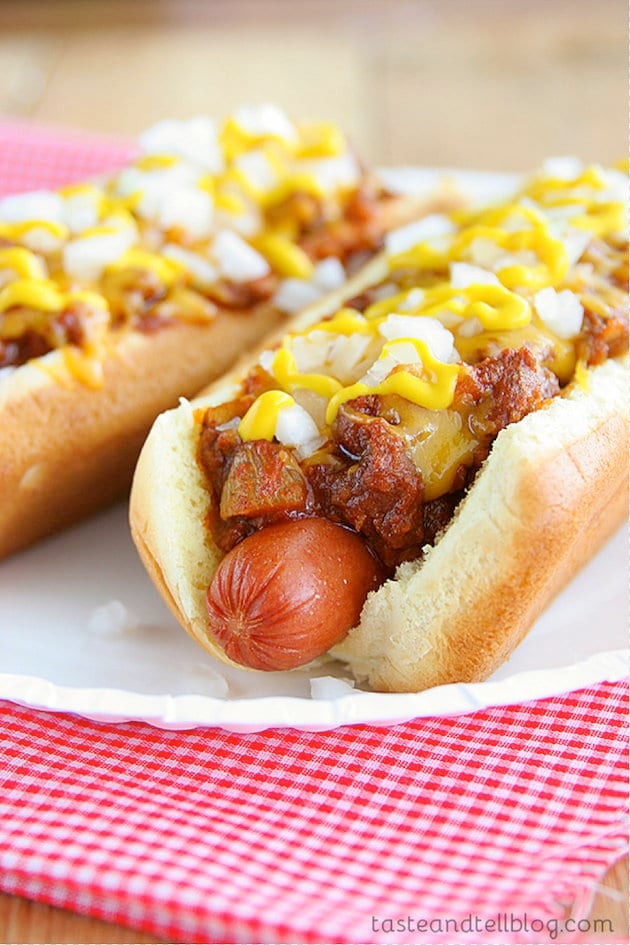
21, 261
260, 421
435, 390
284, 256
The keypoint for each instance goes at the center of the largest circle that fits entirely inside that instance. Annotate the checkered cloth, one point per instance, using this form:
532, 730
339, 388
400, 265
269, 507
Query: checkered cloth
481, 828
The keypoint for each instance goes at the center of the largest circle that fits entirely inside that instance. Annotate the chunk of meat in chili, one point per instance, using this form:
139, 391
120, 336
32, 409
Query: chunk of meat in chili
216, 446
502, 390
15, 352
603, 338
263, 478
239, 296
251, 484
64, 329
357, 231
380, 493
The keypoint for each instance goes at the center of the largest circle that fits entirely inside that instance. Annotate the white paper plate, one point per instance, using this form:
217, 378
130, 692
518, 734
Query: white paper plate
54, 657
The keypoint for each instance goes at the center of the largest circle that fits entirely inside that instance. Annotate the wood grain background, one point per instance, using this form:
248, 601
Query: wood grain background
494, 84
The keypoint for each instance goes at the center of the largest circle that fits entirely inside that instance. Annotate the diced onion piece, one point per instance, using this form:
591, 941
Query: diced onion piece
561, 312
262, 121
266, 361
380, 369
331, 173
295, 294
81, 211
424, 328
345, 357
36, 205
525, 257
329, 274
470, 327
85, 258
155, 187
295, 427
188, 208
194, 140
202, 271
236, 259
616, 187
405, 237
257, 170
575, 242
464, 275
563, 168
485, 253
414, 299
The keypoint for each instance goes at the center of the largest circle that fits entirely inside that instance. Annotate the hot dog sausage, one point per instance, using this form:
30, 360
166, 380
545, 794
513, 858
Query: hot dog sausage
266, 613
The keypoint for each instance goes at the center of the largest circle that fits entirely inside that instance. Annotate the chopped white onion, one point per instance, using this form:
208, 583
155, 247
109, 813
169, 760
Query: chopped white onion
295, 427
194, 140
154, 187
188, 208
470, 327
86, 257
525, 257
265, 120
345, 358
413, 300
35, 205
464, 275
329, 274
332, 173
40, 240
203, 272
295, 294
430, 227
561, 312
563, 168
341, 356
424, 328
236, 259
266, 360
257, 169
81, 211
380, 369
484, 252
575, 242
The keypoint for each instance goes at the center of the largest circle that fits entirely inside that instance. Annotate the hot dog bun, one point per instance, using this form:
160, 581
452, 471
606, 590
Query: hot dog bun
70, 447
552, 489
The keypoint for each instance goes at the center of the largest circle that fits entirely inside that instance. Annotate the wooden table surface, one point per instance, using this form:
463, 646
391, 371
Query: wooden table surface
491, 84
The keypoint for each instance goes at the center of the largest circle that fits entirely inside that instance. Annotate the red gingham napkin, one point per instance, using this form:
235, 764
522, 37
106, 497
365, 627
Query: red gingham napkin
477, 829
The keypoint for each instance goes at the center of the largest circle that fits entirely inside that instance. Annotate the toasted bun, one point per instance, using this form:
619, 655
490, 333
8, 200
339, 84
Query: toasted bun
552, 490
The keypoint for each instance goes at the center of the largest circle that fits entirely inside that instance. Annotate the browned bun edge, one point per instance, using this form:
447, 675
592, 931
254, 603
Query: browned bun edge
553, 489
69, 450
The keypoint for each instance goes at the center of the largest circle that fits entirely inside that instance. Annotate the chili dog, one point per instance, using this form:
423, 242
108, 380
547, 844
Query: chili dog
120, 295
455, 433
